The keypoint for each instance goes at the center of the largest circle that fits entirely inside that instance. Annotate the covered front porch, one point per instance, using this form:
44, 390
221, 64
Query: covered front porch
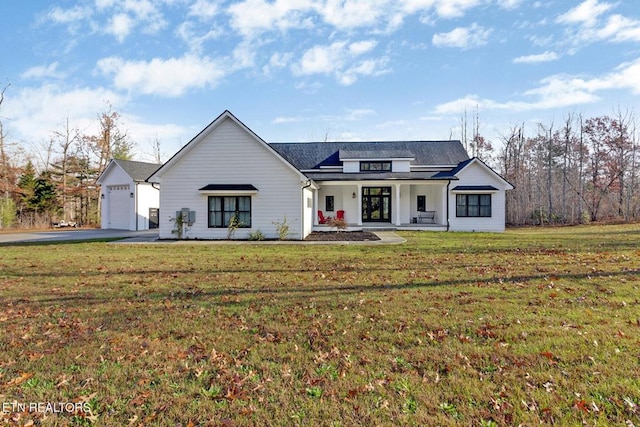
378, 205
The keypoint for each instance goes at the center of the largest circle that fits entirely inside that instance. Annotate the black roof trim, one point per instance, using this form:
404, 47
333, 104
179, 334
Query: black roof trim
228, 187
474, 188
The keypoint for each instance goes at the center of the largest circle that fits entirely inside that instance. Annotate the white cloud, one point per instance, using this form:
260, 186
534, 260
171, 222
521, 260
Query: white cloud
120, 26
341, 60
116, 17
195, 35
358, 48
277, 61
321, 59
43, 72
368, 67
586, 12
547, 56
348, 14
617, 29
69, 16
204, 9
285, 120
252, 17
557, 91
587, 24
170, 78
463, 37
509, 4
37, 111
454, 8
358, 114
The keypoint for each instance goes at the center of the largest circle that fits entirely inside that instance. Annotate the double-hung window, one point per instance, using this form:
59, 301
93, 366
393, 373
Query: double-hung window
473, 205
223, 210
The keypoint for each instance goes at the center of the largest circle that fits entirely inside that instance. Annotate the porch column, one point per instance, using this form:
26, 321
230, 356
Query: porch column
359, 198
315, 206
396, 208
443, 218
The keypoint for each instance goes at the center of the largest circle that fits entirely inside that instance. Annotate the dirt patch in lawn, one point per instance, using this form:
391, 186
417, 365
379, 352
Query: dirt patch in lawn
341, 236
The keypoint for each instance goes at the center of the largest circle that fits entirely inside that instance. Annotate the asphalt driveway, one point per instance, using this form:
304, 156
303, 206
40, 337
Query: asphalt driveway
73, 234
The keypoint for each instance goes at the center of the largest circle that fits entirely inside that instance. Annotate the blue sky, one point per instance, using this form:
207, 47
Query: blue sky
302, 70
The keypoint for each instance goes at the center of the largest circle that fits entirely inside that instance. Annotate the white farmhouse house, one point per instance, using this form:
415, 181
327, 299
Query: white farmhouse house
227, 171
127, 201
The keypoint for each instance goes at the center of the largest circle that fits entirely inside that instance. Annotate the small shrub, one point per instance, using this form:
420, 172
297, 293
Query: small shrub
180, 227
234, 224
282, 228
256, 235
339, 224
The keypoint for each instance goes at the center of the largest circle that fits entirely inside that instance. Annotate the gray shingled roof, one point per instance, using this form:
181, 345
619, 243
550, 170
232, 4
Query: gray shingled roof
313, 155
380, 154
373, 176
138, 171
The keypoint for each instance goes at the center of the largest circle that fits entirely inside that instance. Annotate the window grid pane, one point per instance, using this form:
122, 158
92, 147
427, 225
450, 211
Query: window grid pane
473, 205
223, 208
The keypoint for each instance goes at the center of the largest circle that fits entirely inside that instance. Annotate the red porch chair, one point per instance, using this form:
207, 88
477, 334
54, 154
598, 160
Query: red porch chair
340, 214
321, 218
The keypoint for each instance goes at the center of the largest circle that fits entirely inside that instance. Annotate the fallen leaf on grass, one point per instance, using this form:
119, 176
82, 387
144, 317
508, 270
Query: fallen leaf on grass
20, 379
549, 357
581, 405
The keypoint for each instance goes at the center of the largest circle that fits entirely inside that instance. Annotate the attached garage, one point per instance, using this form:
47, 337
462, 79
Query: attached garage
127, 200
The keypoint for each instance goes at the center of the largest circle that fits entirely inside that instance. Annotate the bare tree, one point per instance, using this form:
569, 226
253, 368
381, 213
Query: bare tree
67, 139
156, 149
4, 161
111, 142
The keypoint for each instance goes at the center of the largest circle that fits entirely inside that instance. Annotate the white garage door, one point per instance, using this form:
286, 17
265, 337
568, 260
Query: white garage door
119, 201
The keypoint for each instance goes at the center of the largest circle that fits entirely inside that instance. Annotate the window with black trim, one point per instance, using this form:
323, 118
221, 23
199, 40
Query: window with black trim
422, 203
328, 203
375, 166
223, 208
473, 205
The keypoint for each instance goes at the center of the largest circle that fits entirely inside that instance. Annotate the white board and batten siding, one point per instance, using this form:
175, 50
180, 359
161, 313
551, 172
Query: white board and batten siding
472, 175
229, 154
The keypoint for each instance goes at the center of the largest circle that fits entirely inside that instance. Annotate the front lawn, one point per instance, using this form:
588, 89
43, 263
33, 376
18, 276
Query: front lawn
527, 327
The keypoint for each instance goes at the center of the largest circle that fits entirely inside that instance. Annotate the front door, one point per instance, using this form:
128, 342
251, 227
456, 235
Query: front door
376, 204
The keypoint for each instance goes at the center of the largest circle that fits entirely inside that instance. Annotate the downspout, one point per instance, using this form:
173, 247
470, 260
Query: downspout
448, 184
135, 208
302, 207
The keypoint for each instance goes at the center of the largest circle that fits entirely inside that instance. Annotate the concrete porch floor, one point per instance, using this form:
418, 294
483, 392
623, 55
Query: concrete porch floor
383, 226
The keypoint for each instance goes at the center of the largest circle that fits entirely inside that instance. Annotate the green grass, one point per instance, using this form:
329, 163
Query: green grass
527, 327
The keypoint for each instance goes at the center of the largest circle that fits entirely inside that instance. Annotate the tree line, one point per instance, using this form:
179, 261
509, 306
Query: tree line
58, 183
577, 171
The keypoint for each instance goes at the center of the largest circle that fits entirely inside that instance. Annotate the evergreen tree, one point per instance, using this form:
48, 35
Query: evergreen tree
27, 186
